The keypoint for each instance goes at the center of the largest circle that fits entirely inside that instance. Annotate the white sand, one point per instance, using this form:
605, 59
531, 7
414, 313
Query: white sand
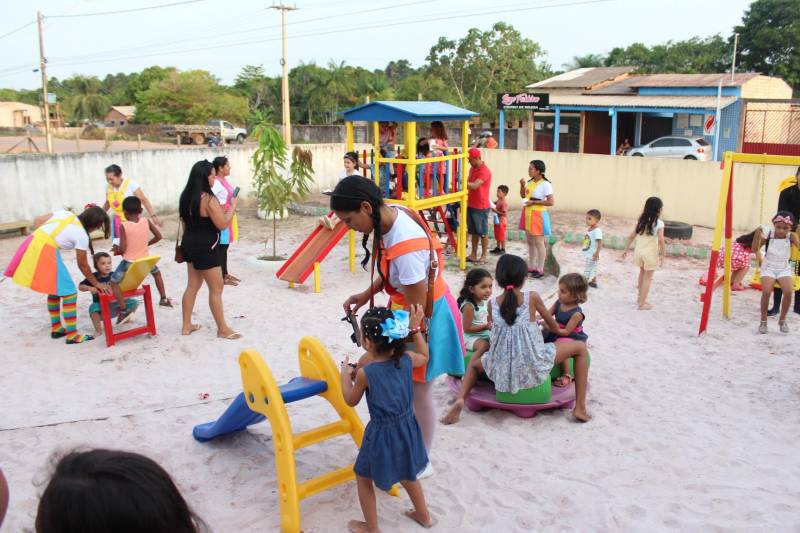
690, 434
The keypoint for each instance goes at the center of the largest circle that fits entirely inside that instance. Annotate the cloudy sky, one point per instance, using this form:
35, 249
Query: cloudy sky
222, 36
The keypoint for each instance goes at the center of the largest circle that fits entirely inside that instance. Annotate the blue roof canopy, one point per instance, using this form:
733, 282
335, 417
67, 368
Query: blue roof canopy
387, 111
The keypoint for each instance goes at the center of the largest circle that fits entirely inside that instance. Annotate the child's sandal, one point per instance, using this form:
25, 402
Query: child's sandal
165, 302
564, 380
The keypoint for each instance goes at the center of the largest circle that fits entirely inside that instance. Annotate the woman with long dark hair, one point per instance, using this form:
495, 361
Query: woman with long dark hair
37, 264
408, 261
537, 195
224, 193
203, 218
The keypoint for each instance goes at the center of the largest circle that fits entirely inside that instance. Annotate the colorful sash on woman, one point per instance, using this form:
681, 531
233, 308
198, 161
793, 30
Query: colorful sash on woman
535, 219
445, 334
38, 265
231, 233
115, 199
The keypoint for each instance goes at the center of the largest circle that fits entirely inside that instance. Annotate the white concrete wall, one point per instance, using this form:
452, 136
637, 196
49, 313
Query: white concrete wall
619, 186
34, 184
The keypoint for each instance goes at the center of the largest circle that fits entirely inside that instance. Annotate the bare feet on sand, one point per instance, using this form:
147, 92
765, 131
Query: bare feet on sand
357, 526
581, 415
454, 414
423, 519
191, 329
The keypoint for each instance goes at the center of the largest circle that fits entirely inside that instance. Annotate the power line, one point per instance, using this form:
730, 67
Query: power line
120, 11
12, 32
243, 31
329, 32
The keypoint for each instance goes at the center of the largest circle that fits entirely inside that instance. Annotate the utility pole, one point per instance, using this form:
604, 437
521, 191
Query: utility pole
733, 62
287, 122
42, 62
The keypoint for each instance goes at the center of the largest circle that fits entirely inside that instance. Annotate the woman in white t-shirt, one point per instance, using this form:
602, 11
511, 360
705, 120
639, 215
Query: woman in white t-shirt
648, 254
38, 265
118, 189
409, 275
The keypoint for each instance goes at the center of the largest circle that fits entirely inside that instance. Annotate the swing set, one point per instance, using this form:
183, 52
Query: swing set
724, 223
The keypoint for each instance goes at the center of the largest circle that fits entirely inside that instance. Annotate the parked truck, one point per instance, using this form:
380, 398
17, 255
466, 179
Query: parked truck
200, 134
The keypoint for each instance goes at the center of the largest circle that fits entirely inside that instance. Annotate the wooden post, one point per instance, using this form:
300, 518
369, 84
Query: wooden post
178, 139
531, 129
139, 141
78, 141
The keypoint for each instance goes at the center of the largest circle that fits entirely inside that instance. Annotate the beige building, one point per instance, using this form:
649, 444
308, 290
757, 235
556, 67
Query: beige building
19, 115
119, 115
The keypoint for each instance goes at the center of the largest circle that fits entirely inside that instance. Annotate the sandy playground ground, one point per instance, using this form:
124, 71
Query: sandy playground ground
689, 434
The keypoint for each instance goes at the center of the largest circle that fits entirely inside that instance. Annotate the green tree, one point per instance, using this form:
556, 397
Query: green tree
585, 61
340, 86
399, 70
309, 96
484, 63
86, 100
262, 92
26, 96
691, 56
769, 39
193, 97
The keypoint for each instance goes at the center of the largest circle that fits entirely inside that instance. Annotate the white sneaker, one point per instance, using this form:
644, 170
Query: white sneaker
762, 327
784, 327
426, 472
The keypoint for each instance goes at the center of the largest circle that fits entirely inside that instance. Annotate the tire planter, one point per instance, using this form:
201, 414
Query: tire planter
677, 230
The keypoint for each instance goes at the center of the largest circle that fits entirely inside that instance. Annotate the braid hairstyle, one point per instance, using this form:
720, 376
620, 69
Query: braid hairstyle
510, 274
372, 330
539, 165
94, 218
348, 196
474, 276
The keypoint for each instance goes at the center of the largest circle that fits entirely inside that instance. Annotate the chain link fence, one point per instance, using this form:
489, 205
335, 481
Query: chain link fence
771, 127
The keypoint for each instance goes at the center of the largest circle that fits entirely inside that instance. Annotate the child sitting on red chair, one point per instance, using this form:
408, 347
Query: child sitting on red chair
133, 245
103, 268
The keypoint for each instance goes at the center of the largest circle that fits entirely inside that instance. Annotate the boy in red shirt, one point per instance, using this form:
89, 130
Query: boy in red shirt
500, 210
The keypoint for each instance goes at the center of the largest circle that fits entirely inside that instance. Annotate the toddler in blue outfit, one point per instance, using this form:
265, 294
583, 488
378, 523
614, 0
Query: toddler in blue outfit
392, 450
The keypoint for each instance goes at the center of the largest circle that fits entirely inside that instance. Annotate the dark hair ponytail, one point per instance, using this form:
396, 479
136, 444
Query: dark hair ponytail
510, 274
219, 162
94, 218
348, 196
539, 165
371, 328
747, 239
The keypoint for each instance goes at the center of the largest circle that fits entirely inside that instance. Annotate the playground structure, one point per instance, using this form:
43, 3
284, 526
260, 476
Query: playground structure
432, 182
263, 398
724, 223
131, 286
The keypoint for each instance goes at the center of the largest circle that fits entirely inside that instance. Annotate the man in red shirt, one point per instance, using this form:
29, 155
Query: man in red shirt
479, 184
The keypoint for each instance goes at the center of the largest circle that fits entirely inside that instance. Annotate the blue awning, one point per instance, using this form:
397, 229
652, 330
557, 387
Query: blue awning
387, 111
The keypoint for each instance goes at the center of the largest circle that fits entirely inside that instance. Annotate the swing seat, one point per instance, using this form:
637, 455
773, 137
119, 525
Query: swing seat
131, 286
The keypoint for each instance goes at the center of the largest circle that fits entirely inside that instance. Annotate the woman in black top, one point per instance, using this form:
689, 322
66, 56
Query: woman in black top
202, 217
789, 200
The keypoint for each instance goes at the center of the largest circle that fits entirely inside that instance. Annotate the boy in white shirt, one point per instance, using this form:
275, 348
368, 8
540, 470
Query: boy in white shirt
592, 243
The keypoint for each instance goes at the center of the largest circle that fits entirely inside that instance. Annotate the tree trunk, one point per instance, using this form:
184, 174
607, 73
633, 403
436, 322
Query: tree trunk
274, 233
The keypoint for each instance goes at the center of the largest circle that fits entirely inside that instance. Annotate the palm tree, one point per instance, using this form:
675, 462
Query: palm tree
86, 102
340, 84
589, 60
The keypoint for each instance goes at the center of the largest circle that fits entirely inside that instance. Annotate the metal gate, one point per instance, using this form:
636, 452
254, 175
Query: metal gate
771, 127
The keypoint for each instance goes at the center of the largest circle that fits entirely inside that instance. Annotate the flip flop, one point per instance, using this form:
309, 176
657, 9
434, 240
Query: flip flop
194, 328
410, 515
232, 337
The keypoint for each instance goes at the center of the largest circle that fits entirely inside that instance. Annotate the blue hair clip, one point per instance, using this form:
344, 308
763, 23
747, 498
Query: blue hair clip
396, 328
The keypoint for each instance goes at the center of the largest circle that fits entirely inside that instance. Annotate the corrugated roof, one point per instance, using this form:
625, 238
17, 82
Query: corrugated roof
674, 102
582, 78
624, 86
693, 80
127, 110
407, 112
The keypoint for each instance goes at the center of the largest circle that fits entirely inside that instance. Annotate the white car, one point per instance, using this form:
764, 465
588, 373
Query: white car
696, 148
